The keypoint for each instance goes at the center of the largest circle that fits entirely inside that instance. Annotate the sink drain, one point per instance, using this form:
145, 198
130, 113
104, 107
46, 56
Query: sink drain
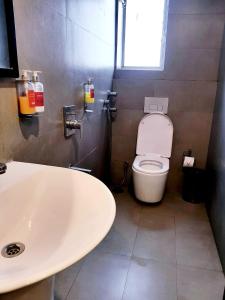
13, 250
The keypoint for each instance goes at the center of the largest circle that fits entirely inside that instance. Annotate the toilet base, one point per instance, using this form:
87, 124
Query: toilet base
149, 188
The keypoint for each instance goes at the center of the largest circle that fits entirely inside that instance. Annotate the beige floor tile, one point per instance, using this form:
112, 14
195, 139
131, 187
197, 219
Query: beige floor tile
101, 277
199, 284
156, 239
197, 250
150, 280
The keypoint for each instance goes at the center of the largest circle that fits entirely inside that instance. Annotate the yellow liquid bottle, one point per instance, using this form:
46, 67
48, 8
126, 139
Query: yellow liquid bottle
25, 108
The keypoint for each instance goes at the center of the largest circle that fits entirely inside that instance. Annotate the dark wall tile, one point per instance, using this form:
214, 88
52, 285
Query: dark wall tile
197, 6
183, 95
131, 92
123, 148
96, 16
187, 96
191, 131
180, 64
58, 38
189, 31
216, 165
127, 122
192, 64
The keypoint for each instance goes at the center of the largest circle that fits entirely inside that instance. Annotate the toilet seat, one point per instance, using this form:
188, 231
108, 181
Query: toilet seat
151, 164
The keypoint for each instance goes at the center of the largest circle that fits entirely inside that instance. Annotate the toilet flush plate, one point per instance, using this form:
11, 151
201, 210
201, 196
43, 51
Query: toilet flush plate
156, 104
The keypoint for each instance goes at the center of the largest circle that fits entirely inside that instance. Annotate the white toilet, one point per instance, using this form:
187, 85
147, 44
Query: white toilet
151, 165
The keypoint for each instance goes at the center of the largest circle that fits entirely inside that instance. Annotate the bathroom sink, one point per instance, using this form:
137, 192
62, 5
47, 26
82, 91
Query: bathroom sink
58, 215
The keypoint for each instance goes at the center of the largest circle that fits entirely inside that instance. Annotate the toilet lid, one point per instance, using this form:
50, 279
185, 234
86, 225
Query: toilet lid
155, 135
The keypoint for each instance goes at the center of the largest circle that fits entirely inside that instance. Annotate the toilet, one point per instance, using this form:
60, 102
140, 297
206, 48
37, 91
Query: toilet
153, 150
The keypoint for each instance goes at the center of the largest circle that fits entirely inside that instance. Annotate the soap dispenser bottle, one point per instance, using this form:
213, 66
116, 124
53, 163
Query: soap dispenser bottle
38, 92
89, 92
92, 90
26, 96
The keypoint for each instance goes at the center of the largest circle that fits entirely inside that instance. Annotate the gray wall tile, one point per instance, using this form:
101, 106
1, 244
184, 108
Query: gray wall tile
59, 38
215, 164
195, 31
95, 16
187, 96
197, 6
192, 64
132, 91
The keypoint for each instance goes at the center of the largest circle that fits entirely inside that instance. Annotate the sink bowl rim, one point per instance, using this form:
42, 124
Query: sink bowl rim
68, 261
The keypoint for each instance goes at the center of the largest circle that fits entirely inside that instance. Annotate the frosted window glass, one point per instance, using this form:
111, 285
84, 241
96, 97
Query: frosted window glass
145, 33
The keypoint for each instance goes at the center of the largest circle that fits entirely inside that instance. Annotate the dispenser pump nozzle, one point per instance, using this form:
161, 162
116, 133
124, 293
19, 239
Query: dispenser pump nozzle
35, 75
90, 80
25, 75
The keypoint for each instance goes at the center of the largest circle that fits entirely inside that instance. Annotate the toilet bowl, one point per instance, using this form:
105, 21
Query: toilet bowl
151, 165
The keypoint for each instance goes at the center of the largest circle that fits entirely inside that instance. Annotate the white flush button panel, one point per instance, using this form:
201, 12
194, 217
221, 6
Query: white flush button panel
155, 104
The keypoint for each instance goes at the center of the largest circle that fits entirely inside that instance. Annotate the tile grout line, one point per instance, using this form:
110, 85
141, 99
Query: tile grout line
131, 257
132, 252
200, 268
175, 231
193, 266
136, 256
74, 280
208, 14
125, 284
158, 261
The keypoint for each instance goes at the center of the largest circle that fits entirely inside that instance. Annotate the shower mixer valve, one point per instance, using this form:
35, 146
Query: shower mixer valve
71, 124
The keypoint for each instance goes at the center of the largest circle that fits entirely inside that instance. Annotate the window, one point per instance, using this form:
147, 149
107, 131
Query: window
141, 36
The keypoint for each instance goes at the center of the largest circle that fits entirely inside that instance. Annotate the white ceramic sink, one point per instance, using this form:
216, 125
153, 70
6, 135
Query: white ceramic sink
58, 214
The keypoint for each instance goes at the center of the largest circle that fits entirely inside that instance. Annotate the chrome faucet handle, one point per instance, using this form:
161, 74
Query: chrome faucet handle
73, 124
3, 168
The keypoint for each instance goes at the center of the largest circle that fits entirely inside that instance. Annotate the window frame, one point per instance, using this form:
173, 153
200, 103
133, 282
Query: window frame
120, 64
13, 70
